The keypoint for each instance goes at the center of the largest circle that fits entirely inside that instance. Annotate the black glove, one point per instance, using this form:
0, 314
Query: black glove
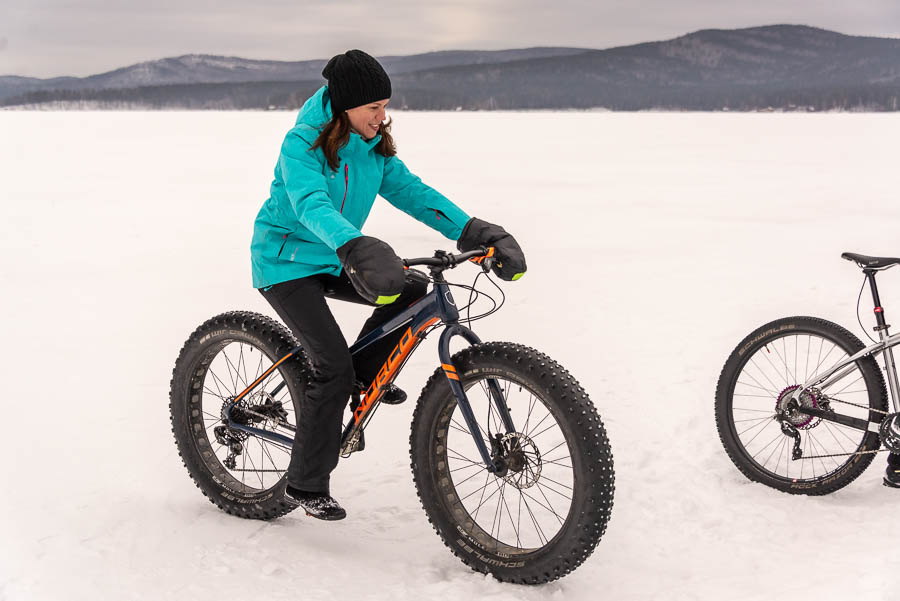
373, 268
510, 263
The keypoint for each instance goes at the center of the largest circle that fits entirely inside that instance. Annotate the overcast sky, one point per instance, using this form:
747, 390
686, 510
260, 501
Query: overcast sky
44, 38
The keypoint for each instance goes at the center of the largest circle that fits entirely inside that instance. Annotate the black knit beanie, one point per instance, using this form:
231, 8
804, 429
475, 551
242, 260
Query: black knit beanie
355, 78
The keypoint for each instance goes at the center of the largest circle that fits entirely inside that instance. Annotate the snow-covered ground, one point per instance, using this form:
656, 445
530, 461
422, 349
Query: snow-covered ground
655, 242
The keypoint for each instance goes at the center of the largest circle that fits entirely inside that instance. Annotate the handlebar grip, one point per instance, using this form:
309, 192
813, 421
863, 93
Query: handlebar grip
487, 260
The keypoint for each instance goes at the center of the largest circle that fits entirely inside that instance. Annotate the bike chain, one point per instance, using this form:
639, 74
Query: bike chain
830, 400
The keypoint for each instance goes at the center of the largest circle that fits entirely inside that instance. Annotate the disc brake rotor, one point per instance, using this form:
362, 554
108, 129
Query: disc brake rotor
522, 459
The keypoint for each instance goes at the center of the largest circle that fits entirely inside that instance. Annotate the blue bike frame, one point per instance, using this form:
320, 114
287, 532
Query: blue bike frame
437, 306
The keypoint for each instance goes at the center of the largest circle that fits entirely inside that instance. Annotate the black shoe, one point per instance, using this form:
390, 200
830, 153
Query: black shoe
393, 395
892, 477
892, 472
319, 505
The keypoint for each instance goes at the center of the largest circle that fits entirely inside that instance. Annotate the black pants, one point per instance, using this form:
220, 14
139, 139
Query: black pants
301, 305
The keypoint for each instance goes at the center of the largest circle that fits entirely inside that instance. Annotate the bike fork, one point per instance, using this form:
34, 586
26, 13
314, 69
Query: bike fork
462, 400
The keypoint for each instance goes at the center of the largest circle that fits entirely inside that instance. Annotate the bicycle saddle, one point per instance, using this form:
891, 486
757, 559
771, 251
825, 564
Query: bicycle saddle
868, 262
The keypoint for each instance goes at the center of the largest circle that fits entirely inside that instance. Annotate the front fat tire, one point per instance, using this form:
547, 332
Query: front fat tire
725, 389
592, 461
185, 397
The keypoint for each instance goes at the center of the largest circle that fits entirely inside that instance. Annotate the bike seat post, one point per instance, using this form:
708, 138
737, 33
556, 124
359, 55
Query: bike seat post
879, 310
882, 329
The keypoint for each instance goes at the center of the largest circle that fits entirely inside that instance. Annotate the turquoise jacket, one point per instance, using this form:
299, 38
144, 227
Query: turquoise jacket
312, 210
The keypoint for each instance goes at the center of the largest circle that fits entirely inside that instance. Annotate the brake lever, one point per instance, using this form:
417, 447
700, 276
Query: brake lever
486, 262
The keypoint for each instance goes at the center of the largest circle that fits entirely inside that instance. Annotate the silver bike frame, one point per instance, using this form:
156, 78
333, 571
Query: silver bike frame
842, 369
885, 346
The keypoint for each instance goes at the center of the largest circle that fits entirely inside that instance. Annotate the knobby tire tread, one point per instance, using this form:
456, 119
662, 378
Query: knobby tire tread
278, 342
594, 486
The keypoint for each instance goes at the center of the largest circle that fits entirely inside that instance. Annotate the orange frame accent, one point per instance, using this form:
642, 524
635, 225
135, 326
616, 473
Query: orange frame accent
389, 370
262, 377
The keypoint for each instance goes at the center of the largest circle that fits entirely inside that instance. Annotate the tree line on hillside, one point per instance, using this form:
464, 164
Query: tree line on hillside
291, 95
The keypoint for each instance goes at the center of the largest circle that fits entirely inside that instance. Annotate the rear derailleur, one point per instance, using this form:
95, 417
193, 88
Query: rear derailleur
793, 418
233, 440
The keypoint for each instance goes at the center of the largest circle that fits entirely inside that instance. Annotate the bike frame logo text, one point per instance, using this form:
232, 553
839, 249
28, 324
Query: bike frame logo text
407, 343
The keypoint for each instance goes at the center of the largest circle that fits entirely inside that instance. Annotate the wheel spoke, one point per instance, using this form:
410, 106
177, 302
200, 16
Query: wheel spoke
847, 386
825, 358
768, 444
751, 428
548, 506
461, 482
756, 384
764, 374
753, 419
542, 538
536, 426
217, 381
461, 457
830, 431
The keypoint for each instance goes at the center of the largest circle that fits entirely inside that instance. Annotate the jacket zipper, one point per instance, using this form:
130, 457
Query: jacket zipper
346, 184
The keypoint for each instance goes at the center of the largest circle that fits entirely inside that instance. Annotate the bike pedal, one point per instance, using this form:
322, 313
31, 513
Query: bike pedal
393, 395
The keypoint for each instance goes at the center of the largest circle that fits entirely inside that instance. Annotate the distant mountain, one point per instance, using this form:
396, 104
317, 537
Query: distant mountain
782, 66
207, 69
778, 67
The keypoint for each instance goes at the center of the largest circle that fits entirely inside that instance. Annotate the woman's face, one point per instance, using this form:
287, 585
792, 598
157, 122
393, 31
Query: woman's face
366, 119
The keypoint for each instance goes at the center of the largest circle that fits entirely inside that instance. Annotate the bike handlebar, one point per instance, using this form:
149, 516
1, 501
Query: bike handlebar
449, 260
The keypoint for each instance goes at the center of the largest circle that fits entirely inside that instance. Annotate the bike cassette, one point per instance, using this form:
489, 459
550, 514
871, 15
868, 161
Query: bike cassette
808, 398
245, 414
889, 430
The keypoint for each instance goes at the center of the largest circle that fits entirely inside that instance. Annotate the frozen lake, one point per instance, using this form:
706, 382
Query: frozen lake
655, 242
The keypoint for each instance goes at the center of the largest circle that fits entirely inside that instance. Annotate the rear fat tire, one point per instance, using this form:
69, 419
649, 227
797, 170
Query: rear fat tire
185, 397
591, 456
843, 339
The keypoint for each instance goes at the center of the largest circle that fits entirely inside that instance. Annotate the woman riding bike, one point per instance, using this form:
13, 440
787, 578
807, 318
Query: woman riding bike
307, 246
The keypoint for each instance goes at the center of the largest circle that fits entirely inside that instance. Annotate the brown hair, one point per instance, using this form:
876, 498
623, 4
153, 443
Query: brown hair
336, 134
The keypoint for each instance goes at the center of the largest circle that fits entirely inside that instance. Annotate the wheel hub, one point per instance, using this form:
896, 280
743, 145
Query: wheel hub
246, 414
519, 459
